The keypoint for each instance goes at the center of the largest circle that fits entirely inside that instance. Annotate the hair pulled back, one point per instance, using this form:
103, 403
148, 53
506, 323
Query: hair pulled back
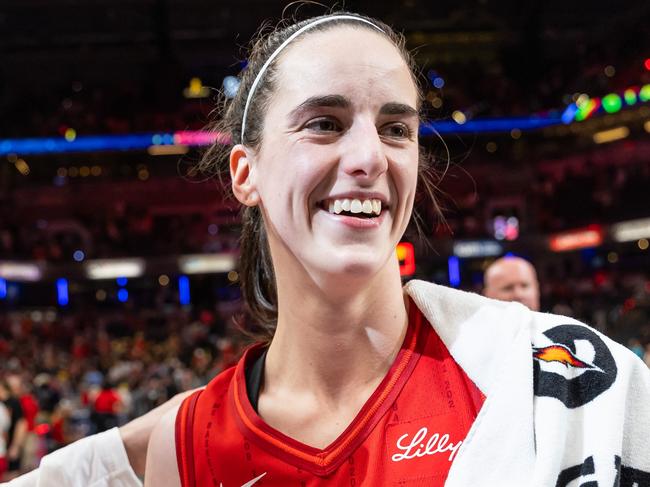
256, 267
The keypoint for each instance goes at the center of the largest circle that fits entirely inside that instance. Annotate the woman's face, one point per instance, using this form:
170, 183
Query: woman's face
341, 129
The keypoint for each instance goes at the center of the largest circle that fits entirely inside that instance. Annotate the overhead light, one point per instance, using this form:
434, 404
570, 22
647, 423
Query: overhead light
114, 268
631, 230
477, 248
611, 135
206, 263
196, 89
459, 117
22, 167
591, 236
20, 271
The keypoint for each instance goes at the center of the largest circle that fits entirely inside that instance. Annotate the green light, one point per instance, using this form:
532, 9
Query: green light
630, 96
612, 103
644, 93
584, 110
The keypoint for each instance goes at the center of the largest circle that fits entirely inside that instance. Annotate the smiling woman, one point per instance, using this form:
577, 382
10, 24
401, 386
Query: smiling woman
360, 381
314, 114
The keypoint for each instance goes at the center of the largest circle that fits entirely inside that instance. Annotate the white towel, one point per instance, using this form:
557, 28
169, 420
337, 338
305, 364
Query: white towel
566, 406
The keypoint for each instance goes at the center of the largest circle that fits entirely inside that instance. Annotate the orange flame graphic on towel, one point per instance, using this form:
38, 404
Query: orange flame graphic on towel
559, 353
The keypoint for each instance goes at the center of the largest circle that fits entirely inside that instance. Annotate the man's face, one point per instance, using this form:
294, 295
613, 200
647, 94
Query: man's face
513, 280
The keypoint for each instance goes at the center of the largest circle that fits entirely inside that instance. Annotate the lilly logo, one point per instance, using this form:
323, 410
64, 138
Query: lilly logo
423, 444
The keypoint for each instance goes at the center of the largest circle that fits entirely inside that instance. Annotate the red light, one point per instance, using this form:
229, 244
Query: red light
406, 257
647, 64
591, 236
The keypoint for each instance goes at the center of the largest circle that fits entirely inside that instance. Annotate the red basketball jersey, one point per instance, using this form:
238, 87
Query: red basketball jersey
407, 433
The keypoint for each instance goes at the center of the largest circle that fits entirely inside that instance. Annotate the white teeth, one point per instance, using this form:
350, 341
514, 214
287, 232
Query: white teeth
369, 206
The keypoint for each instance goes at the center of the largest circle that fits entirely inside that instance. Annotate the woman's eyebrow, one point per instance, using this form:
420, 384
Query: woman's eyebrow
329, 101
394, 108
340, 101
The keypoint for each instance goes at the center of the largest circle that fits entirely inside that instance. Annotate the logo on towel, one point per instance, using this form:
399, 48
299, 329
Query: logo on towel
625, 476
574, 366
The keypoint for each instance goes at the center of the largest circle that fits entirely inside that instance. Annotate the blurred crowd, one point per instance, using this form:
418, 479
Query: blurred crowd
563, 200
67, 375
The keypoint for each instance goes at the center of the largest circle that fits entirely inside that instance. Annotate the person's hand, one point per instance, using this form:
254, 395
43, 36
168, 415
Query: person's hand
135, 434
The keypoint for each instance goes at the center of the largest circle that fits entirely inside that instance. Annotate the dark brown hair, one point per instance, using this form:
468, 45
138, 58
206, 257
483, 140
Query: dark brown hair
256, 267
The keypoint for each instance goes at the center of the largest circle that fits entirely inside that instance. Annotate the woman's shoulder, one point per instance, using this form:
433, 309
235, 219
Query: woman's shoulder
162, 465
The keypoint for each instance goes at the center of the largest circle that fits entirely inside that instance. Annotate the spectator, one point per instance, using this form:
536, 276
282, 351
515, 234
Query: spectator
106, 407
513, 279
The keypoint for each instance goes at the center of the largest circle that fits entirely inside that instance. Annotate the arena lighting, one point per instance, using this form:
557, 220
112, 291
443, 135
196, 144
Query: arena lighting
20, 271
62, 291
3, 288
477, 248
196, 89
114, 268
611, 135
406, 257
184, 290
586, 107
489, 125
122, 295
631, 230
453, 266
591, 236
206, 263
99, 143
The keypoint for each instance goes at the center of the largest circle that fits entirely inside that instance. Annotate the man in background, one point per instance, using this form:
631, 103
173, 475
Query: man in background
512, 279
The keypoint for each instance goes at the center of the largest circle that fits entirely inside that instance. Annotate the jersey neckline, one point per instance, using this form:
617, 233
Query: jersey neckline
324, 461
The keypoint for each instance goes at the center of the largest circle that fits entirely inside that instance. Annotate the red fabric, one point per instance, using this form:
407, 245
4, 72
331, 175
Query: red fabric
107, 401
406, 434
30, 410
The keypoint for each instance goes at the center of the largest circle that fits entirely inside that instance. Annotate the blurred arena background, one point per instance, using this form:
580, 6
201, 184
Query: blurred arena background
118, 269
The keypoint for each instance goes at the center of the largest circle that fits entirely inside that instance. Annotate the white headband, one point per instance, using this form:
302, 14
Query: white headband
275, 54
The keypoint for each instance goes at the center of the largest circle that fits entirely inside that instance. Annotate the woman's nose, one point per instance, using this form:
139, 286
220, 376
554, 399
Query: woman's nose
363, 153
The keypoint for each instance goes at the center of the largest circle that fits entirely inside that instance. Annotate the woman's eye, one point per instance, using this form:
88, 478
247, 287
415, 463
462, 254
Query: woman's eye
323, 125
398, 130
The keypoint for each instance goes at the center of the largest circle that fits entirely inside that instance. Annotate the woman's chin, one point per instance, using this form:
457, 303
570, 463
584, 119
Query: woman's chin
352, 265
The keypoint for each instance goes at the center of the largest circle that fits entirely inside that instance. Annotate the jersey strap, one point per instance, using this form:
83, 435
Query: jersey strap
185, 440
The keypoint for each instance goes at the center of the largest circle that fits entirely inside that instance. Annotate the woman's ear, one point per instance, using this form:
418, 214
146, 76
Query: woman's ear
242, 177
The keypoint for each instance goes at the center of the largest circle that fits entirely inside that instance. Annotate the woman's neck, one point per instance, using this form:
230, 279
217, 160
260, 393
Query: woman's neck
331, 342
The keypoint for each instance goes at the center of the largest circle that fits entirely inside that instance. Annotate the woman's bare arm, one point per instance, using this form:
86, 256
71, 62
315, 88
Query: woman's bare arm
162, 468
